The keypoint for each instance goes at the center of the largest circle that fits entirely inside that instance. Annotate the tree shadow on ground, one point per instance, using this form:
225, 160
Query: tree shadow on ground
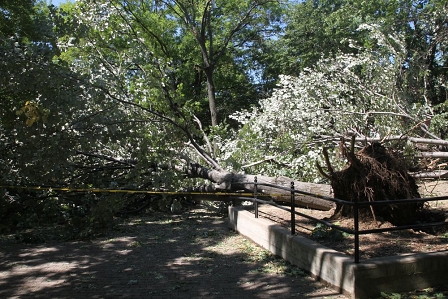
193, 255
371, 245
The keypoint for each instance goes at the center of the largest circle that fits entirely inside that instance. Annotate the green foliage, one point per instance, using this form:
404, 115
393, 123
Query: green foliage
172, 46
321, 231
360, 86
294, 123
119, 94
439, 122
391, 296
16, 18
34, 114
429, 293
317, 29
80, 214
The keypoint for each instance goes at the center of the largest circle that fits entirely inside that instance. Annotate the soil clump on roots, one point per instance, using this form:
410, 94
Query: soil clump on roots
375, 173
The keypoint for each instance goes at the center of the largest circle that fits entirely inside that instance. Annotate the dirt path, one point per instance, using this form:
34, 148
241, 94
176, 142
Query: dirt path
154, 257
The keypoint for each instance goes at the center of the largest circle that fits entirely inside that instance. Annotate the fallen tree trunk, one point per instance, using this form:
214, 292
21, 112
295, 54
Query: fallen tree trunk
433, 155
436, 174
236, 182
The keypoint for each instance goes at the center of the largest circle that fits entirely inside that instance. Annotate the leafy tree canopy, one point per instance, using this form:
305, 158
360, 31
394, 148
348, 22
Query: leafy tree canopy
363, 92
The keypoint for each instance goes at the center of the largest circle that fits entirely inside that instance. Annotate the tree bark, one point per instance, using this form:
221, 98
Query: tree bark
211, 95
443, 155
436, 174
411, 139
236, 182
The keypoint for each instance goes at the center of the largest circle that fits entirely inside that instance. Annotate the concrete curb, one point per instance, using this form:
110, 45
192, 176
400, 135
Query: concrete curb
365, 280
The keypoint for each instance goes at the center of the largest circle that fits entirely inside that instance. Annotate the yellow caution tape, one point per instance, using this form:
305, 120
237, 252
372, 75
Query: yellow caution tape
128, 191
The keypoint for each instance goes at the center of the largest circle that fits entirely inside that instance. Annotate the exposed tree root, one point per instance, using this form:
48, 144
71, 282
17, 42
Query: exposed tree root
373, 174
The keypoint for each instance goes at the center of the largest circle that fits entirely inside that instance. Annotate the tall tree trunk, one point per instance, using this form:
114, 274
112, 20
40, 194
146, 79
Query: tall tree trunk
211, 95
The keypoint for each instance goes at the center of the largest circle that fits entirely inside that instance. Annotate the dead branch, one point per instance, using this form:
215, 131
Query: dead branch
265, 160
322, 172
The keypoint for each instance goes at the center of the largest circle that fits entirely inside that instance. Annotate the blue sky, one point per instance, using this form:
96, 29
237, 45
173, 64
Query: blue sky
57, 2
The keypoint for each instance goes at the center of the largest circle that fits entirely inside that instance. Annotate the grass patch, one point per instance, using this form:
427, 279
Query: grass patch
270, 262
428, 293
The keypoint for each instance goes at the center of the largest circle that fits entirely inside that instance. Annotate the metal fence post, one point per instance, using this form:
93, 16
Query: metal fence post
255, 198
293, 210
356, 224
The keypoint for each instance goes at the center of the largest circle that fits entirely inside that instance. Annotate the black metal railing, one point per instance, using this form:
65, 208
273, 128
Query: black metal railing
355, 204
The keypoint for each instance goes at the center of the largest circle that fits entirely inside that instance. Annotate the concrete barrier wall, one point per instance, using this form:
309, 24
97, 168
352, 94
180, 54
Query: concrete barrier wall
401, 273
365, 280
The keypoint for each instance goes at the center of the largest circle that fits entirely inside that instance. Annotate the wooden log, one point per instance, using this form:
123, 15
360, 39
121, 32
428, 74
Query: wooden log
443, 155
276, 194
234, 182
436, 174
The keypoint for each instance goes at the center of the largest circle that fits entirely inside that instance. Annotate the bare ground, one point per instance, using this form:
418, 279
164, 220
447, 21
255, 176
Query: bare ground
193, 255
373, 245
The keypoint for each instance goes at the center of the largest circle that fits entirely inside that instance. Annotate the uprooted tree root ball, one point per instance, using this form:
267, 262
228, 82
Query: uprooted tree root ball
375, 173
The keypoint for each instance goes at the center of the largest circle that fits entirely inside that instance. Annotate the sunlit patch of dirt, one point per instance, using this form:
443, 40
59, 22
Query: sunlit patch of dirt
378, 244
